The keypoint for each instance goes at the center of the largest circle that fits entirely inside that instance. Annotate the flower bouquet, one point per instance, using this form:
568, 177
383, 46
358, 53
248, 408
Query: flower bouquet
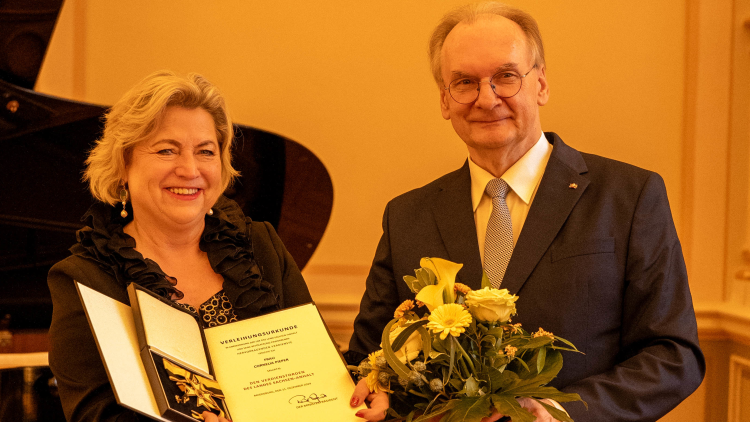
464, 359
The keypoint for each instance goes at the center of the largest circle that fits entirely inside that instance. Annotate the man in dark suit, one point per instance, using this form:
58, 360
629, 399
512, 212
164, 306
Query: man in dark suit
595, 256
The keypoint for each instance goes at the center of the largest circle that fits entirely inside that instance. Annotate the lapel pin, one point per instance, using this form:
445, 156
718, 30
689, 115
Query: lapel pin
573, 185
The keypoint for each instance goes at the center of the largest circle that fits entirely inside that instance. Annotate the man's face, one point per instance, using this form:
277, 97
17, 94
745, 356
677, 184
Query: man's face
479, 51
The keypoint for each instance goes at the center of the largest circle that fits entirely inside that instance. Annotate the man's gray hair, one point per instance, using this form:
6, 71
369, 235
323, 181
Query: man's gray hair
469, 14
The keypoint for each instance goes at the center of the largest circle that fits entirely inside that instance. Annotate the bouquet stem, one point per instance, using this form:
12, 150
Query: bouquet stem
465, 358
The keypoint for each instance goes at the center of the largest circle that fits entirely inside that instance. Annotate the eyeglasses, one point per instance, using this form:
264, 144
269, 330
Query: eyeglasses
504, 84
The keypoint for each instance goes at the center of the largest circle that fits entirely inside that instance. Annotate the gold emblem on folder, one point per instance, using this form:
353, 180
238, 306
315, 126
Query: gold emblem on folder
195, 385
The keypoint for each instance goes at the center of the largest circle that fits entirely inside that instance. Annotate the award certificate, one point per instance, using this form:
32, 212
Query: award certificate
274, 367
281, 366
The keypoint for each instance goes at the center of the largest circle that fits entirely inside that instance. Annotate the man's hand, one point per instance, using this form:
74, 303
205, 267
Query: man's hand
536, 409
378, 402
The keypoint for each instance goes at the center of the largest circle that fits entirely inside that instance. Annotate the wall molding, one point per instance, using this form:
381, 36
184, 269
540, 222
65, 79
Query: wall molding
337, 291
739, 371
723, 321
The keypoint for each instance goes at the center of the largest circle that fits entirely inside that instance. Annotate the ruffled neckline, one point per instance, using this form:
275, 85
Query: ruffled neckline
226, 239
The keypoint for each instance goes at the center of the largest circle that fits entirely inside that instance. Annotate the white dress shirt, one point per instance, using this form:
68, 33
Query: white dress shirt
523, 177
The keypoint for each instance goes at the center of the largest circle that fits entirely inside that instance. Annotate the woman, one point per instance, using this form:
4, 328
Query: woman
158, 171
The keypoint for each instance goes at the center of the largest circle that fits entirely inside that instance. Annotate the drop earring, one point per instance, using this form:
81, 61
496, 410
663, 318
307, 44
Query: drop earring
124, 199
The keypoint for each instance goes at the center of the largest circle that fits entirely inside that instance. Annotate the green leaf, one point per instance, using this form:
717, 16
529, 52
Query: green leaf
538, 342
440, 346
535, 379
567, 349
452, 361
540, 357
456, 383
463, 368
508, 406
424, 277
410, 416
391, 412
471, 387
508, 380
395, 364
568, 343
491, 340
485, 280
492, 353
496, 332
438, 410
553, 364
467, 361
420, 394
542, 392
437, 357
412, 283
557, 395
495, 379
555, 412
470, 409
426, 342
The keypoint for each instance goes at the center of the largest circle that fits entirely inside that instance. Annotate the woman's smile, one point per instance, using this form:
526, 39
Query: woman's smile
174, 177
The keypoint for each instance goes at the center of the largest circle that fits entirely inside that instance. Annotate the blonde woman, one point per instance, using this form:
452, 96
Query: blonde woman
158, 173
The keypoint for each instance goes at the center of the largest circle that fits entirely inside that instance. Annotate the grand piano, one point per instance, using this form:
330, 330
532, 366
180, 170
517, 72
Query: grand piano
43, 144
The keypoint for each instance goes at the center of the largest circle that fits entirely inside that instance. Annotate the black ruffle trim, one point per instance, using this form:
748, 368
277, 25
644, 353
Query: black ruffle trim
226, 240
230, 252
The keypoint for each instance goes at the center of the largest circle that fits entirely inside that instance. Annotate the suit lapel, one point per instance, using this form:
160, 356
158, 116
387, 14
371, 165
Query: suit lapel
454, 217
552, 204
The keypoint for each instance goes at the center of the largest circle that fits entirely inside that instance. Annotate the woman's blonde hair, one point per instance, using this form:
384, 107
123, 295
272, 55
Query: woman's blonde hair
469, 14
138, 114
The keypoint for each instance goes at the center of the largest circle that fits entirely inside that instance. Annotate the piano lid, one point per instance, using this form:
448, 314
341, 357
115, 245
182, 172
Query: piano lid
45, 139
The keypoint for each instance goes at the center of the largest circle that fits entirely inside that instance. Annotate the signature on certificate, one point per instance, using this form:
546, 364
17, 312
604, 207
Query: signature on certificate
312, 398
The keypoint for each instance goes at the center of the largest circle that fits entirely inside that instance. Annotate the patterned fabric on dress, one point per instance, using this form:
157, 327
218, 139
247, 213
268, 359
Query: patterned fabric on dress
217, 310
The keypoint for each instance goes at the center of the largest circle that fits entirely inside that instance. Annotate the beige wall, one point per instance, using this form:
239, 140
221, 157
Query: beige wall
652, 83
350, 81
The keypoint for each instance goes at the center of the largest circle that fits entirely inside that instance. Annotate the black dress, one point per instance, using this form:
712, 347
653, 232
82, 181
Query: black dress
260, 276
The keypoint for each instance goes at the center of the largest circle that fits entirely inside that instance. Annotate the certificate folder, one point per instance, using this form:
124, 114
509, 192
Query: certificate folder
279, 366
173, 350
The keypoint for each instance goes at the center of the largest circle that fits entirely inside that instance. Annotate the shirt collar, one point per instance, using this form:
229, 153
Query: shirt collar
523, 177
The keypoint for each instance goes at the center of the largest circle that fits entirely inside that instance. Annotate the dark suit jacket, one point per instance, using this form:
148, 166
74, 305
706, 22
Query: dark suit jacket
598, 264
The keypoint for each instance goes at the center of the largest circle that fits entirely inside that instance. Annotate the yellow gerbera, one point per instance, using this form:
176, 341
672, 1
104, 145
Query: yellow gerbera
372, 377
450, 318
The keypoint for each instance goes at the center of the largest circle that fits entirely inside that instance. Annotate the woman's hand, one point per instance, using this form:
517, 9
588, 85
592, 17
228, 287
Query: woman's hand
378, 402
211, 417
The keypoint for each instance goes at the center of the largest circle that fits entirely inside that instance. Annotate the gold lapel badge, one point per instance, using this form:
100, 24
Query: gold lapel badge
573, 185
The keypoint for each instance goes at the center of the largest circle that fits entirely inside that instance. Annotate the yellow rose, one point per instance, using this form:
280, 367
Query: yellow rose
411, 348
491, 305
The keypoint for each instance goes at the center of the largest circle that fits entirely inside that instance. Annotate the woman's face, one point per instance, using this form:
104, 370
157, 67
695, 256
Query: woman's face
174, 177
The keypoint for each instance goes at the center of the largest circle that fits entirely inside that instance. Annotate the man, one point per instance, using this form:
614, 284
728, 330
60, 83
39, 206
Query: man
595, 256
